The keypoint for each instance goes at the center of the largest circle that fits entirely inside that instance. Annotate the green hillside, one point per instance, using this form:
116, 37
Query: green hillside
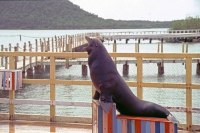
61, 14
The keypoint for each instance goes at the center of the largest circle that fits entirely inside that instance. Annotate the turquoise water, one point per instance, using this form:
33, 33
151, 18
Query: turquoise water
174, 73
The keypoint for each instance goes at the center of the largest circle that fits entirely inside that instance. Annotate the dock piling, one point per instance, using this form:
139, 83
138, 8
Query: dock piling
2, 57
36, 50
125, 69
160, 68
15, 49
24, 61
6, 59
84, 70
198, 69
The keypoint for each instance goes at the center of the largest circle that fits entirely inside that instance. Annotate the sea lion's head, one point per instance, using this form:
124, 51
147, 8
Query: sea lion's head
93, 44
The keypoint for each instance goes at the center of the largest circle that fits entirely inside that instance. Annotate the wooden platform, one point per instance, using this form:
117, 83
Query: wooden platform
7, 126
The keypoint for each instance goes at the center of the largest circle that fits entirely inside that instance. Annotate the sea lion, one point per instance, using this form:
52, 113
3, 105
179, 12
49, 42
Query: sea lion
110, 87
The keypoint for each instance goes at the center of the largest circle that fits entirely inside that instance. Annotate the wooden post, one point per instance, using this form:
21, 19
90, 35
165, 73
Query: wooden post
150, 40
2, 56
183, 50
139, 77
183, 47
158, 47
10, 47
77, 40
59, 44
73, 42
84, 70
63, 42
162, 52
115, 50
30, 57
24, 58
56, 41
15, 49
125, 69
136, 48
52, 45
45, 45
186, 47
160, 68
52, 88
161, 47
160, 64
198, 69
189, 92
66, 43
42, 50
36, 50
11, 92
70, 43
67, 59
48, 45
6, 59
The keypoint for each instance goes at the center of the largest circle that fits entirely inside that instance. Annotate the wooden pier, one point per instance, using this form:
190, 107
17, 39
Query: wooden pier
54, 53
75, 43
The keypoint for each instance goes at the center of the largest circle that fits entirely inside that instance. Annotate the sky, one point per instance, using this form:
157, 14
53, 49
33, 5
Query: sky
153, 10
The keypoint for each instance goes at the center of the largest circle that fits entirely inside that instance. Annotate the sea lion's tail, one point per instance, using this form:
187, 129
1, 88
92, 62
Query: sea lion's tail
171, 118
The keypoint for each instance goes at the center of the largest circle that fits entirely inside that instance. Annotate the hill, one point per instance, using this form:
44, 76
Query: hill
61, 14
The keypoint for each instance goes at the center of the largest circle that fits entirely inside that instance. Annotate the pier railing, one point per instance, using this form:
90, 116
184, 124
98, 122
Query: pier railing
188, 86
66, 43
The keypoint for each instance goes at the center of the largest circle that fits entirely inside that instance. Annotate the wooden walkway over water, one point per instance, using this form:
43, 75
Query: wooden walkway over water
57, 51
151, 36
76, 43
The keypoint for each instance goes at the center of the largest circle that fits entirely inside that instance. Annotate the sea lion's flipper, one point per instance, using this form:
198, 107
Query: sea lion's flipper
96, 95
106, 106
171, 118
105, 99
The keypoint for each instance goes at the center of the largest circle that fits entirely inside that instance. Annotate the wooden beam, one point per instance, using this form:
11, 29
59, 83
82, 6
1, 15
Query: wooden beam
139, 77
11, 92
52, 88
189, 92
84, 54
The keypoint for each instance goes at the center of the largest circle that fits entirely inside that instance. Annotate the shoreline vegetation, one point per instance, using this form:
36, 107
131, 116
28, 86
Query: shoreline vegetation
188, 23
